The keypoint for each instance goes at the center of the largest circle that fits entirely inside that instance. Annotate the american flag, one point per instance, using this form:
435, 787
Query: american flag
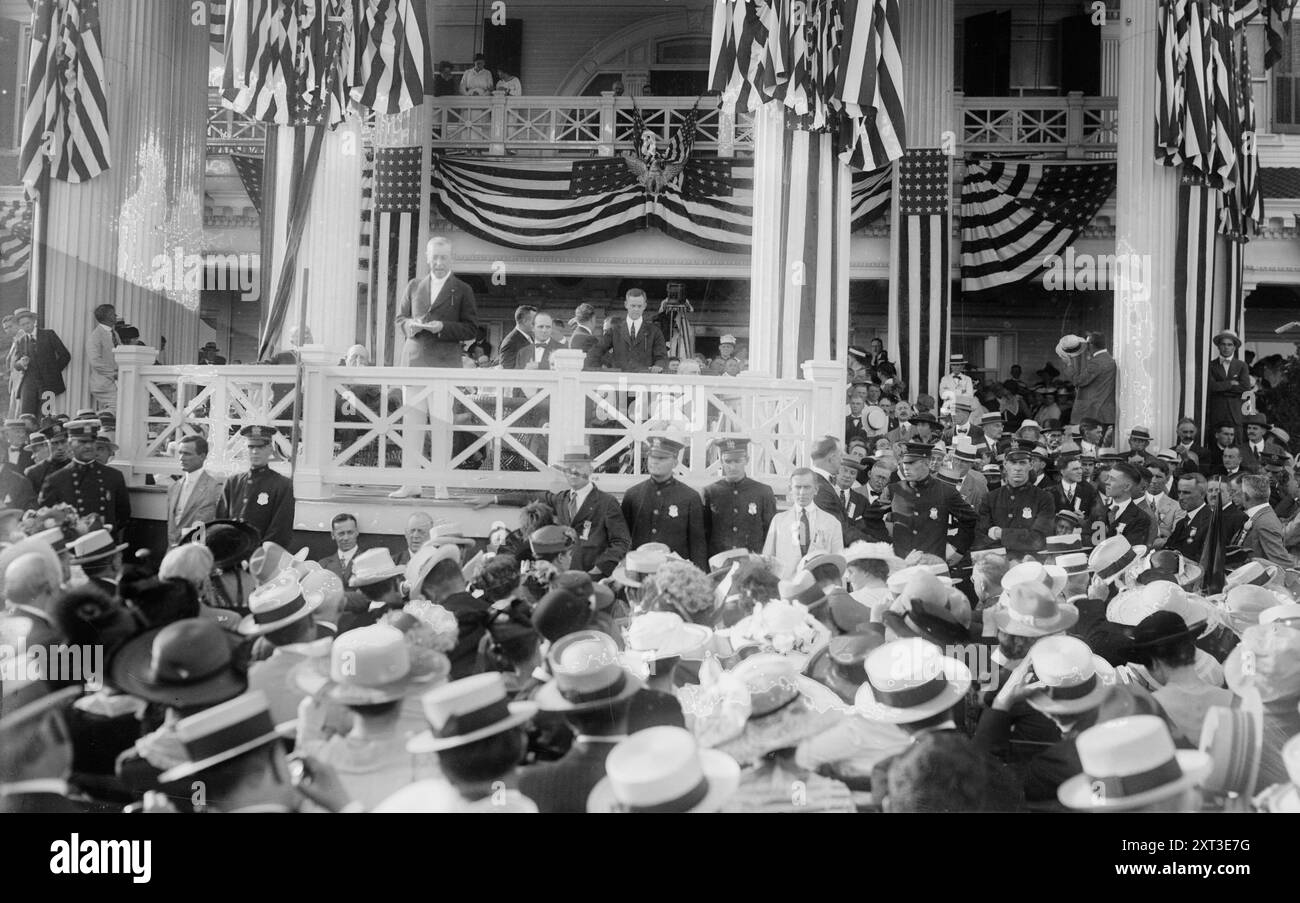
393, 68
1017, 216
217, 24
15, 239
870, 83
395, 247
1243, 207
250, 176
65, 125
559, 204
1199, 311
736, 54
920, 293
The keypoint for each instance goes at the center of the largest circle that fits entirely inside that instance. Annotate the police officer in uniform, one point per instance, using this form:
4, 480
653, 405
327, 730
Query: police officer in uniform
57, 438
664, 510
1018, 515
928, 514
262, 498
737, 509
87, 485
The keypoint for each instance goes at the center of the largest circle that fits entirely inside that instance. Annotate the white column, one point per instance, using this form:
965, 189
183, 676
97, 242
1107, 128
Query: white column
329, 244
766, 276
105, 236
1110, 38
926, 46
1145, 225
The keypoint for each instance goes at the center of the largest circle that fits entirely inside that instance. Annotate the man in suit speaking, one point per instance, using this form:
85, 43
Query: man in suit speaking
436, 314
634, 345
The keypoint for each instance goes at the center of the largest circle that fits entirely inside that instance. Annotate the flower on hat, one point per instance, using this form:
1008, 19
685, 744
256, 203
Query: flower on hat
442, 629
781, 626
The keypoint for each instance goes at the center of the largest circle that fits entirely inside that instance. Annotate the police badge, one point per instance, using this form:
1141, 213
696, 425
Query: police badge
264, 498
934, 514
672, 510
753, 507
1027, 513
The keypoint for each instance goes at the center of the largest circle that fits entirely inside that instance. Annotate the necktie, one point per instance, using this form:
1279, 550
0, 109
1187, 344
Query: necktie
1069, 494
635, 330
116, 340
573, 506
846, 500
803, 531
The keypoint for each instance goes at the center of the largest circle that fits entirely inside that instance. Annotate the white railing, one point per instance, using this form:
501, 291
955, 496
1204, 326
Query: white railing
1075, 126
492, 430
1078, 126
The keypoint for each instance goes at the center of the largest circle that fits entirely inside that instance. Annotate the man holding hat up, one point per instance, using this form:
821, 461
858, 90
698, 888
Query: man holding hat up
737, 509
663, 510
1017, 515
87, 485
261, 497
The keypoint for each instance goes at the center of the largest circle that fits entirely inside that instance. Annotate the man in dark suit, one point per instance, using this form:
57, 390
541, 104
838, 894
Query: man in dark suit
56, 454
518, 338
603, 537
854, 423
260, 496
346, 535
87, 485
1257, 445
825, 454
1227, 380
1191, 454
632, 345
1123, 516
16, 439
584, 328
41, 357
1225, 437
737, 509
661, 509
537, 356
436, 314
1073, 492
1188, 536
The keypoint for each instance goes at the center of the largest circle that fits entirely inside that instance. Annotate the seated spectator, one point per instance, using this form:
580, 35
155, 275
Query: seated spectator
508, 83
444, 83
477, 82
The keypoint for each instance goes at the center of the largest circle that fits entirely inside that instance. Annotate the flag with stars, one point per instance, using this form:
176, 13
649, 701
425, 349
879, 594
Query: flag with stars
15, 239
920, 293
250, 176
1016, 217
395, 237
65, 124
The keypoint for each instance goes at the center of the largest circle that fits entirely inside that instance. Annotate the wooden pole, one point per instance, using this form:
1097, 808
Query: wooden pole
297, 389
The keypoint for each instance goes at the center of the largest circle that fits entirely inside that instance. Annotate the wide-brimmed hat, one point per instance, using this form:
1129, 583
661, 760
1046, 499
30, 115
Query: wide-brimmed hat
466, 711
277, 604
1254, 572
869, 551
1288, 613
1031, 610
588, 674
184, 664
910, 680
841, 665
448, 532
231, 542
1128, 608
367, 666
786, 708
1049, 576
1267, 659
93, 546
1233, 737
933, 610
224, 732
1131, 762
1113, 556
271, 559
658, 635
1071, 678
640, 563
721, 563
1226, 334
374, 566
662, 769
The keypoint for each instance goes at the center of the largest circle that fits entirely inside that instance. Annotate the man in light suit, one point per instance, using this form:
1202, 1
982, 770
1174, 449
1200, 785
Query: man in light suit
1262, 535
436, 314
1093, 375
518, 339
632, 345
193, 499
103, 366
803, 527
346, 535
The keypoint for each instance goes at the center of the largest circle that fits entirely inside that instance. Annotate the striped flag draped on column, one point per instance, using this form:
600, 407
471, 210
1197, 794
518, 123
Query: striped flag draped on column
65, 124
15, 240
919, 286
393, 68
395, 238
217, 24
870, 83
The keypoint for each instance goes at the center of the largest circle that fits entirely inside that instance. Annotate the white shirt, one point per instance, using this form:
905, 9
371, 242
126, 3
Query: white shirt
436, 284
634, 327
580, 497
476, 81
1068, 489
1191, 514
538, 351
1118, 508
1257, 447
188, 482
346, 557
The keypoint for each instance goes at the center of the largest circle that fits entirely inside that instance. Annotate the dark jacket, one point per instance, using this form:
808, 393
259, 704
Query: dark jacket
515, 342
49, 359
603, 536
615, 350
91, 488
1188, 536
737, 515
565, 784
264, 499
1025, 514
671, 513
454, 307
924, 513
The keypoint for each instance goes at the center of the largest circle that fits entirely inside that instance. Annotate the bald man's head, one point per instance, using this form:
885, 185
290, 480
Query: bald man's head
30, 581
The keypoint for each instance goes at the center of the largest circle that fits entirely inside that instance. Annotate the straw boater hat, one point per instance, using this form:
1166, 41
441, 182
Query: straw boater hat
786, 708
225, 732
910, 680
95, 545
466, 711
368, 666
1285, 797
424, 561
1071, 346
272, 558
640, 563
1234, 739
448, 532
1071, 679
662, 769
869, 551
1268, 659
1113, 557
277, 604
1129, 763
589, 675
658, 635
1050, 576
374, 566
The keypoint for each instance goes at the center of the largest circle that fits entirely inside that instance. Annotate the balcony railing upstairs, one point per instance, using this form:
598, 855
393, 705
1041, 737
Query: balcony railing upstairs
492, 431
1073, 127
